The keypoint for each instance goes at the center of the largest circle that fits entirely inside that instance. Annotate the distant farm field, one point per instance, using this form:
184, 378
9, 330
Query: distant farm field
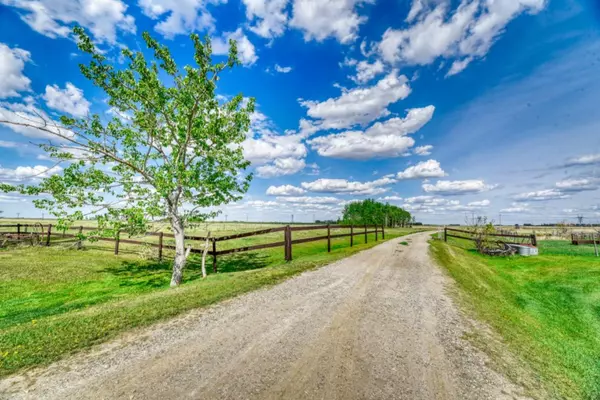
546, 308
56, 300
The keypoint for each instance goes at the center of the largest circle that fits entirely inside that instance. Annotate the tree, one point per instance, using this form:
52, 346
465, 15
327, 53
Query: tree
371, 212
172, 151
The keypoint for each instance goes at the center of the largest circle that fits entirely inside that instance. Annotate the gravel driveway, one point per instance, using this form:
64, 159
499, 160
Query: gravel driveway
377, 325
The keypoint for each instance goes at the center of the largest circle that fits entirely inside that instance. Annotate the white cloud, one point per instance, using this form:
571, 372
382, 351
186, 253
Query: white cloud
468, 33
69, 100
23, 173
423, 150
516, 208
424, 169
390, 198
11, 199
382, 140
439, 205
587, 159
54, 18
320, 19
269, 17
285, 190
12, 63
182, 17
272, 153
577, 185
482, 203
542, 195
280, 167
457, 187
8, 144
366, 71
349, 187
19, 113
358, 106
283, 70
245, 48
309, 200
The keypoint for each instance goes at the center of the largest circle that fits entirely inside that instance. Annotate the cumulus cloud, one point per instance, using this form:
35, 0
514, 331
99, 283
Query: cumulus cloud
180, 17
439, 205
319, 19
282, 70
28, 113
268, 17
423, 150
541, 195
390, 198
577, 185
285, 190
54, 18
349, 187
358, 106
24, 173
309, 200
245, 48
516, 208
272, 153
457, 187
280, 167
382, 140
69, 100
365, 71
587, 159
12, 63
469, 31
422, 170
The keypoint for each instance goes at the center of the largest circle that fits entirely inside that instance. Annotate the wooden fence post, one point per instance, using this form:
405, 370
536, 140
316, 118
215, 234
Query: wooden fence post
19, 231
286, 243
117, 243
383, 232
160, 245
328, 239
445, 234
365, 233
351, 235
290, 242
49, 233
376, 233
214, 255
80, 242
534, 240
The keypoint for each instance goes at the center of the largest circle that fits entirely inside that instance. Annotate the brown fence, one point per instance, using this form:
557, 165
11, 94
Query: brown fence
47, 232
585, 238
510, 239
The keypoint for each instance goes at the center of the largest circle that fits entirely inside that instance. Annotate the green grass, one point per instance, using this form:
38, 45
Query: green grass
56, 301
546, 308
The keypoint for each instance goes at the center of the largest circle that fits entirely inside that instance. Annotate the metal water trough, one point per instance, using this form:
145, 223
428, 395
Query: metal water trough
524, 250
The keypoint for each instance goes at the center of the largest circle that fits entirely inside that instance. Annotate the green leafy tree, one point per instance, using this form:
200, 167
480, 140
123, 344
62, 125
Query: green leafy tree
172, 151
371, 212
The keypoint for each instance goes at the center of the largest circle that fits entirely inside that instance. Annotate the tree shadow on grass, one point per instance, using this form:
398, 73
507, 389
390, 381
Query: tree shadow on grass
239, 262
154, 274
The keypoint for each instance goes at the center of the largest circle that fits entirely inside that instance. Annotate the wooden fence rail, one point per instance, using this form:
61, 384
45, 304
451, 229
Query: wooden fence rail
530, 238
46, 233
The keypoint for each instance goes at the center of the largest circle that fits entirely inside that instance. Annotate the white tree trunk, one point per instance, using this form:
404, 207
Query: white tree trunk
180, 252
204, 255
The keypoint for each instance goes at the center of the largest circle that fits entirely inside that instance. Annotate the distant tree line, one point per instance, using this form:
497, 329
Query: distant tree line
372, 212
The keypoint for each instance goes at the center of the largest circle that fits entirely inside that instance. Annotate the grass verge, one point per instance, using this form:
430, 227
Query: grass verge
54, 302
546, 309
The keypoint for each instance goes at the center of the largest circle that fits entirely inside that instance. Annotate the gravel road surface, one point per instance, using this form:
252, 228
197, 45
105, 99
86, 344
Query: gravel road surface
376, 325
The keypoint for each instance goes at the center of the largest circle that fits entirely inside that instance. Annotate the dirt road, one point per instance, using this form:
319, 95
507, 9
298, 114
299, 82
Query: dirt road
377, 325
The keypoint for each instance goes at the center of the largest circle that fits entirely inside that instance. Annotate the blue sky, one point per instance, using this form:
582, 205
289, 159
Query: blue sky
443, 107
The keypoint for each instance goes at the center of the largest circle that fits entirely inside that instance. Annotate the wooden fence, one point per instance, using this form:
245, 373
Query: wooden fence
512, 239
585, 238
288, 241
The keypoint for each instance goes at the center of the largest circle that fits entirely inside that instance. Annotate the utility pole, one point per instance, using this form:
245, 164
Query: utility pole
314, 219
225, 217
18, 215
500, 219
292, 218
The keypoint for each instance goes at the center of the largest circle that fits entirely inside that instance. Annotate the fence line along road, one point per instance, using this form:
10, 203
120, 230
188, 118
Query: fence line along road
46, 233
531, 238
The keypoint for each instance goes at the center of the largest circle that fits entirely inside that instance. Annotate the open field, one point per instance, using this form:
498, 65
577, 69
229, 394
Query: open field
55, 300
546, 308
